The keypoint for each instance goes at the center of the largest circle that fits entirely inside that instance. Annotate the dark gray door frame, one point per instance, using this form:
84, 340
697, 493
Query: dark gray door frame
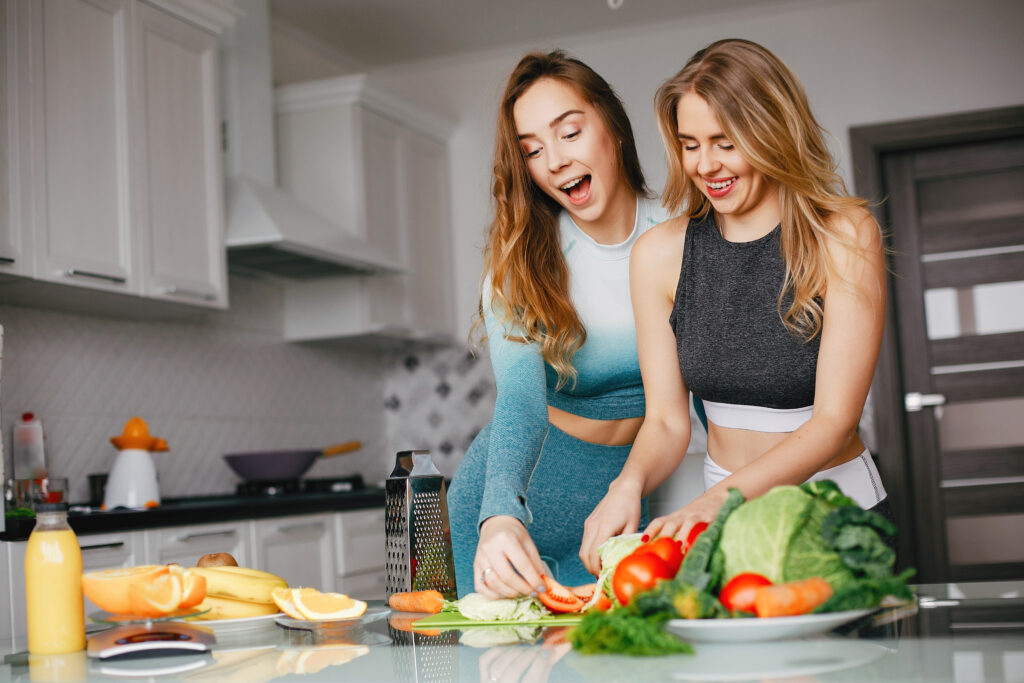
869, 146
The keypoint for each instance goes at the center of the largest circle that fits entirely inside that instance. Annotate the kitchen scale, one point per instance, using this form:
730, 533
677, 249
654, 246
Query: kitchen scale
154, 639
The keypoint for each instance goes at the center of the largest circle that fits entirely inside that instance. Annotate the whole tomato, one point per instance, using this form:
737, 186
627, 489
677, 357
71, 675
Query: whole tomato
668, 549
695, 531
738, 593
636, 573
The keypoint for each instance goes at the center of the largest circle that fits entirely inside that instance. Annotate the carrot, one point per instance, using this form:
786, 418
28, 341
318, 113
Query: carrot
417, 601
791, 599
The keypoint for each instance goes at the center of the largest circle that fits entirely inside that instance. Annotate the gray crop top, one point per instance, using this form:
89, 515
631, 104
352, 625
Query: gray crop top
733, 346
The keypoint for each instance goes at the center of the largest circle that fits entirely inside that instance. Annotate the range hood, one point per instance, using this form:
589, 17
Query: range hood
268, 230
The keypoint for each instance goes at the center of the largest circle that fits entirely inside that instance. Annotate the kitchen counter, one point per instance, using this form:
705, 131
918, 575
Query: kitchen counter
200, 509
958, 632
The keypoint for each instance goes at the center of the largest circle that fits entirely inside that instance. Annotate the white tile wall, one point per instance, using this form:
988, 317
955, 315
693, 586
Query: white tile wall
209, 384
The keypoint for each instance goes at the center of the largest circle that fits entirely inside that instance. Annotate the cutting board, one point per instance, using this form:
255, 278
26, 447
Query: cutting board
456, 620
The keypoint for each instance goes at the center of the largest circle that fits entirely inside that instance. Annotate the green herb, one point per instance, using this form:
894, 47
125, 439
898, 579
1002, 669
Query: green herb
620, 632
20, 513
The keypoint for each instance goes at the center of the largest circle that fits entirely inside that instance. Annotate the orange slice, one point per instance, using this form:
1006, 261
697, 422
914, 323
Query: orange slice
157, 597
317, 606
283, 599
108, 588
193, 587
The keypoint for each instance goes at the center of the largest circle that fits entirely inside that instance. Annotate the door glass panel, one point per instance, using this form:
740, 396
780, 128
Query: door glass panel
982, 424
997, 307
983, 309
985, 539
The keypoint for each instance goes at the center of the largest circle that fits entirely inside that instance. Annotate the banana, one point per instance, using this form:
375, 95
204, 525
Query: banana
240, 583
226, 608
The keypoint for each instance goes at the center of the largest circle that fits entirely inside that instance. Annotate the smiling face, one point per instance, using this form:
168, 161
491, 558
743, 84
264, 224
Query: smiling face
569, 152
739, 193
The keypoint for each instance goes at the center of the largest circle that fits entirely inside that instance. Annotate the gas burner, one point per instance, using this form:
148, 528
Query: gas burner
352, 482
269, 488
298, 487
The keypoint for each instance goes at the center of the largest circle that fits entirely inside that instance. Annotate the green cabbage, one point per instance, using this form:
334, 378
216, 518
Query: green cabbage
611, 552
481, 608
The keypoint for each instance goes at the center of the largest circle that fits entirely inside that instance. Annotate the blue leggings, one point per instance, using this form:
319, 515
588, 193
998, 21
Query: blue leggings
570, 479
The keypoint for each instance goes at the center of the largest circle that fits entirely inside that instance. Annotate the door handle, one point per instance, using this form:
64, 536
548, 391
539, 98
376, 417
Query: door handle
915, 401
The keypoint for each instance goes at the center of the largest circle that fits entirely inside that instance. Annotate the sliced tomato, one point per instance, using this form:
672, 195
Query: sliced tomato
558, 598
668, 549
603, 604
584, 592
695, 531
638, 572
737, 595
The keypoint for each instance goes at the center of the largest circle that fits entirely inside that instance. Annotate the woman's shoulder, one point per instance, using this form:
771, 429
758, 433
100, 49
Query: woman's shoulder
663, 240
855, 225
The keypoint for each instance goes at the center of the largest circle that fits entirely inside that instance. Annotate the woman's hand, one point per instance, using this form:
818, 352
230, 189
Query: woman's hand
677, 524
507, 563
617, 513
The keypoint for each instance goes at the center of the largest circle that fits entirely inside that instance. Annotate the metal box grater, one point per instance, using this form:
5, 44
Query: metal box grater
418, 537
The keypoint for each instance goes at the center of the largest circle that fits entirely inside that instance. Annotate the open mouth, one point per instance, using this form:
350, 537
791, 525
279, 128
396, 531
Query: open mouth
577, 189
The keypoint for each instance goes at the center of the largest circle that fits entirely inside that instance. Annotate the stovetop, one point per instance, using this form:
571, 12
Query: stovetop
298, 487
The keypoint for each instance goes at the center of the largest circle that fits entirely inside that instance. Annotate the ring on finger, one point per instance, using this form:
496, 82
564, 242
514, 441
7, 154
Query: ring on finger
485, 572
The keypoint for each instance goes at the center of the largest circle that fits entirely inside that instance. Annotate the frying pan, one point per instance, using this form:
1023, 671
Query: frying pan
282, 465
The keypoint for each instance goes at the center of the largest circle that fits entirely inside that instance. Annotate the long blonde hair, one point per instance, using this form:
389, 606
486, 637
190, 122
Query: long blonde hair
523, 257
763, 110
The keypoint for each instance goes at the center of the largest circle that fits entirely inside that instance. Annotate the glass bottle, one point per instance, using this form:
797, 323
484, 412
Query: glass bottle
53, 584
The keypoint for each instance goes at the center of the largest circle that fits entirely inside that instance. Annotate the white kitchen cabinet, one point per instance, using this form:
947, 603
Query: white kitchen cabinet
99, 551
299, 549
360, 554
180, 183
186, 544
6, 616
119, 182
77, 191
13, 256
373, 162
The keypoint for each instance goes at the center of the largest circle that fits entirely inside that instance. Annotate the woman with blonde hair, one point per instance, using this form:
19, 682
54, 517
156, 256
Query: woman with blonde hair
766, 299
569, 200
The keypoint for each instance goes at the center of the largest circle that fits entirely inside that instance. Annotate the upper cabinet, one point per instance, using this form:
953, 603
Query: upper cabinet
116, 112
372, 162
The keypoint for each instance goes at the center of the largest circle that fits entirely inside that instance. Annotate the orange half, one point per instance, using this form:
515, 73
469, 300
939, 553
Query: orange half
157, 597
108, 588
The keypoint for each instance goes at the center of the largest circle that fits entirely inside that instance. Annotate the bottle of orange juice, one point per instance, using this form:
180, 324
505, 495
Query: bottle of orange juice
53, 584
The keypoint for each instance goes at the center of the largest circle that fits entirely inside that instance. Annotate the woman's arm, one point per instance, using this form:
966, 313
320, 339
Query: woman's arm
851, 335
662, 440
518, 430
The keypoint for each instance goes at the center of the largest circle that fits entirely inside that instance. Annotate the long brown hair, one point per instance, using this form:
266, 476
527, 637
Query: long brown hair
763, 110
529, 279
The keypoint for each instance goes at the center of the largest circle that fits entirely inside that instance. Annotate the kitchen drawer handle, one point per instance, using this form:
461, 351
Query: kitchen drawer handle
206, 534
6, 259
291, 528
191, 293
103, 546
74, 272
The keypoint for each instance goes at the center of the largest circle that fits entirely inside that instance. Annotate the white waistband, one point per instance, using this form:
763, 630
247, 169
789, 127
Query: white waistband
857, 478
756, 418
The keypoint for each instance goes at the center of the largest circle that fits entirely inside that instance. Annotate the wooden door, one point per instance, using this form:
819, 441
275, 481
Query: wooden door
954, 209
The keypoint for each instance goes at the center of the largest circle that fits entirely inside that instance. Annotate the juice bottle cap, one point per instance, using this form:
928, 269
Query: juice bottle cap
51, 507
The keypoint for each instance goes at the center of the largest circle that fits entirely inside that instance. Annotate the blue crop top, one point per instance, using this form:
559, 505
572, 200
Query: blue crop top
608, 384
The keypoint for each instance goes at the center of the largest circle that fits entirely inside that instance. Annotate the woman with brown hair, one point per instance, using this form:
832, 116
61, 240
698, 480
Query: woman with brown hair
766, 299
570, 200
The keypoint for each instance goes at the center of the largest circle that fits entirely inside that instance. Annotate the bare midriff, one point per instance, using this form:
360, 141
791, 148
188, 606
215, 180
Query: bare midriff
603, 432
732, 449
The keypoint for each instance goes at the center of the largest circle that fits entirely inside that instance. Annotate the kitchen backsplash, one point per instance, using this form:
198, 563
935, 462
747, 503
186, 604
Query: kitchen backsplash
209, 384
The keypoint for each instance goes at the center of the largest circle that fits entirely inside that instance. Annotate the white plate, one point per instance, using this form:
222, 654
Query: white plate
752, 629
371, 614
237, 624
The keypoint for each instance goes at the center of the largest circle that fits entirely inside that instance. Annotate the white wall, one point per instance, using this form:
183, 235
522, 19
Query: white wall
861, 62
